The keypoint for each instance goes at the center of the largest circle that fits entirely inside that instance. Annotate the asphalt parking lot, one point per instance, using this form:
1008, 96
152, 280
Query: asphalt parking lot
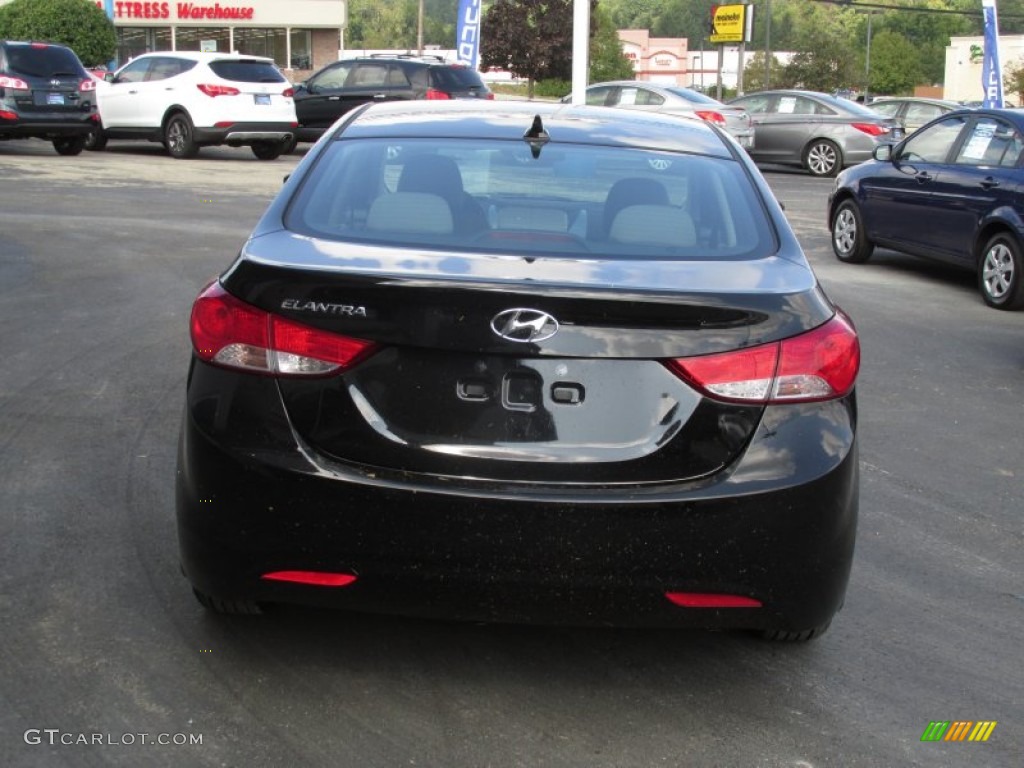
108, 660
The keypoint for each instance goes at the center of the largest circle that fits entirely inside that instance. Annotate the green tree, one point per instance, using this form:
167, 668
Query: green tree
753, 73
826, 50
895, 67
532, 39
78, 24
607, 60
395, 23
1013, 81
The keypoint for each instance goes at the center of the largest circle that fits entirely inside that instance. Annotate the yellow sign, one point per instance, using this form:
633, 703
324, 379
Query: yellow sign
728, 23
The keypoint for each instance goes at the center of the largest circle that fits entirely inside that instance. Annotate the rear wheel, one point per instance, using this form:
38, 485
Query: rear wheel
96, 140
999, 274
178, 137
849, 240
823, 158
72, 145
227, 607
268, 150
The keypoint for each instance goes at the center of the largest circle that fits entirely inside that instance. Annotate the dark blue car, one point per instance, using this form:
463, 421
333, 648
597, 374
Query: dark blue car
952, 191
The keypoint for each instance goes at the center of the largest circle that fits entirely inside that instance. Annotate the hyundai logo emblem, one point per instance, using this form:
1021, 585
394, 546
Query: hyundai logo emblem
525, 325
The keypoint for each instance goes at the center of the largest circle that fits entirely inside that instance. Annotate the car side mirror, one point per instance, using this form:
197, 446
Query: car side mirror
883, 153
300, 87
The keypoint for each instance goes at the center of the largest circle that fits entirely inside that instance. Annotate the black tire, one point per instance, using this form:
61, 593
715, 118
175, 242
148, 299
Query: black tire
227, 607
69, 145
795, 636
267, 150
1001, 273
96, 141
823, 158
178, 137
849, 240
289, 146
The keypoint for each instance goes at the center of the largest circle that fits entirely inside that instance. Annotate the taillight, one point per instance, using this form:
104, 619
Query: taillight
711, 116
818, 365
14, 83
490, 96
5, 115
87, 85
228, 332
435, 95
288, 93
871, 129
217, 90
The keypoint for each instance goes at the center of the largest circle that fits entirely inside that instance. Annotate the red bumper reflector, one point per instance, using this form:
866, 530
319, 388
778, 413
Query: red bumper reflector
316, 578
708, 600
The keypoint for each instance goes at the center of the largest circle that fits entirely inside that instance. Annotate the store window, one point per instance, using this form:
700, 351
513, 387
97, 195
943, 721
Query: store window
203, 39
132, 41
302, 49
262, 42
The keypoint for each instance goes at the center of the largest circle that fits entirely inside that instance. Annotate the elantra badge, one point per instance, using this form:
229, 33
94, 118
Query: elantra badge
525, 325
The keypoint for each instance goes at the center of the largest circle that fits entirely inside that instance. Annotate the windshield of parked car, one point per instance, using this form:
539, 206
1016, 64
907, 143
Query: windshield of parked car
43, 61
247, 71
695, 96
501, 196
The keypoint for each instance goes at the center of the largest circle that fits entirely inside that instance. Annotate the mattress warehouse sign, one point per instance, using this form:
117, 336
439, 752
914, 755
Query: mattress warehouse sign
160, 11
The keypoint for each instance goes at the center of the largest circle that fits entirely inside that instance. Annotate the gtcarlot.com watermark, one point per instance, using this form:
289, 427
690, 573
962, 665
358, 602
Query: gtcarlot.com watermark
56, 737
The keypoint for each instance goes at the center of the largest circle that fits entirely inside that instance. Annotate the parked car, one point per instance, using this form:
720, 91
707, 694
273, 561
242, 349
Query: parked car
345, 84
912, 112
45, 93
952, 191
523, 362
192, 99
672, 99
818, 132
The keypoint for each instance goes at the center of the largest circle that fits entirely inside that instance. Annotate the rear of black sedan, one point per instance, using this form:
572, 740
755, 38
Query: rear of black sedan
523, 363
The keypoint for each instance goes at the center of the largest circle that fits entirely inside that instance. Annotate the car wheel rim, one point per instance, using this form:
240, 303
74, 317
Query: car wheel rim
821, 158
175, 136
845, 231
997, 271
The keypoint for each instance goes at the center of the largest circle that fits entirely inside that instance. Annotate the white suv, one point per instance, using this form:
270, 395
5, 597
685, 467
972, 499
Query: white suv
189, 99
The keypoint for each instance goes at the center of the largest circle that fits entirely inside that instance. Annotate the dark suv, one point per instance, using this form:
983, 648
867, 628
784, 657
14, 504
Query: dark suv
45, 93
345, 84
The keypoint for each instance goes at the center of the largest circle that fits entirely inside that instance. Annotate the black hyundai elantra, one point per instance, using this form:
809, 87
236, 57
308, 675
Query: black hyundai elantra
521, 362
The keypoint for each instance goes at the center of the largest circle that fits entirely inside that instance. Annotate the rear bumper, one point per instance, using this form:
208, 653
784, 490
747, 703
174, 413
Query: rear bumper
47, 128
244, 134
778, 526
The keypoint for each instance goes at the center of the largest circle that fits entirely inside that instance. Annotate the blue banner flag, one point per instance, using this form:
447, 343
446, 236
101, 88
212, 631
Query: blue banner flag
991, 72
467, 32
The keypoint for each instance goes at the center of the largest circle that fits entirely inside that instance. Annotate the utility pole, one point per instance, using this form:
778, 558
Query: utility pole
419, 31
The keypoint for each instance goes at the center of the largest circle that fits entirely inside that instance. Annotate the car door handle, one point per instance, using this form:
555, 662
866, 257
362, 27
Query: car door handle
988, 183
923, 176
380, 95
334, 98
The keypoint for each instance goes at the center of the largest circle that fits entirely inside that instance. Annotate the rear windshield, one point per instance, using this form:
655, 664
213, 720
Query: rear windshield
495, 196
456, 78
42, 61
695, 96
247, 71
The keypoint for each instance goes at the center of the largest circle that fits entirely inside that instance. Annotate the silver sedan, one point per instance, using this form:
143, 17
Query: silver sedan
816, 131
672, 99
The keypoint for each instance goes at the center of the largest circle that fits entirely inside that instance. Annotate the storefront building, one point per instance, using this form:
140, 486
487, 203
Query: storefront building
300, 35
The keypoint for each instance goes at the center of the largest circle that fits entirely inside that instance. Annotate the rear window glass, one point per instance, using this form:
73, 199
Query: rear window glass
48, 61
456, 78
247, 71
568, 201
